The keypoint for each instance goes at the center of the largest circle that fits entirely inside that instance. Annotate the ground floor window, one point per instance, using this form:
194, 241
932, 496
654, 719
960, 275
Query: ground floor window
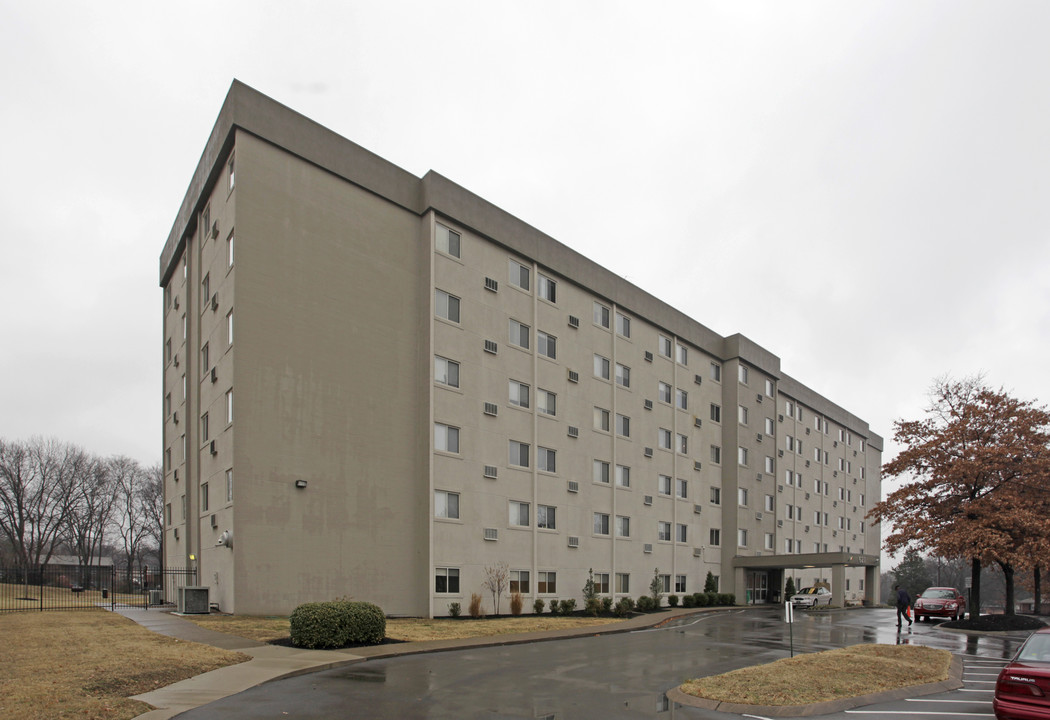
548, 582
519, 581
601, 583
446, 580
679, 583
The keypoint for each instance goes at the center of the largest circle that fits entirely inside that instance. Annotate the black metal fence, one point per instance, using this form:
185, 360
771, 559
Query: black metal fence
70, 587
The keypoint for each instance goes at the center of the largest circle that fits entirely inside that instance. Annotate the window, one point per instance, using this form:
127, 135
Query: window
229, 485
167, 350
770, 507
683, 444
518, 275
519, 394
167, 404
789, 545
664, 346
519, 334
623, 425
769, 426
546, 459
663, 438
229, 328
741, 538
716, 496
716, 372
681, 399
204, 359
231, 175
547, 582
205, 289
683, 355
447, 241
446, 438
769, 465
601, 367
623, 582
204, 427
623, 476
741, 456
519, 454
185, 327
623, 325
769, 388
741, 414
601, 471
683, 488
741, 497
446, 580
546, 288
446, 504
716, 413
789, 408
742, 373
519, 581
601, 419
204, 497
546, 345
601, 583
716, 454
768, 541
679, 583
714, 537
623, 526
546, 402
182, 499
601, 523
229, 251
663, 392
446, 372
167, 514
546, 517
681, 532
816, 454
664, 583
789, 477
601, 315
447, 306
663, 484
623, 375
663, 531
789, 443
519, 513
229, 406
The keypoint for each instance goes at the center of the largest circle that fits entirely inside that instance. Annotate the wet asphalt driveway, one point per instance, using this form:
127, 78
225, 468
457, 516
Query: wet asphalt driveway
611, 676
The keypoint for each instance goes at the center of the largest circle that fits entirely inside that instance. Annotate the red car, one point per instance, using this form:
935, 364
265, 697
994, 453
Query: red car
945, 602
1022, 691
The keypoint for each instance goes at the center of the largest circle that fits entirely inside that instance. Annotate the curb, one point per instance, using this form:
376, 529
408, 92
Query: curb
954, 682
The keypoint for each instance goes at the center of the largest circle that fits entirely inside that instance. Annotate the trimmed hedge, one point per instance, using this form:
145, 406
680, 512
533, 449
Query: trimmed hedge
337, 624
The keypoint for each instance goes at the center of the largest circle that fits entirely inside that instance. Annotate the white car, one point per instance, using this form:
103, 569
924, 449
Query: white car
812, 597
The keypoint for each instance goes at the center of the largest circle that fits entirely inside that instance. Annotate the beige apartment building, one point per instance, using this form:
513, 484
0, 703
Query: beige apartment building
378, 385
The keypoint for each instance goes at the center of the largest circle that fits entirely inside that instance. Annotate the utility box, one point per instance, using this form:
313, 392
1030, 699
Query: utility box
193, 601
156, 597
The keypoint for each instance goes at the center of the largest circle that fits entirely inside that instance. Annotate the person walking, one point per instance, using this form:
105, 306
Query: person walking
903, 603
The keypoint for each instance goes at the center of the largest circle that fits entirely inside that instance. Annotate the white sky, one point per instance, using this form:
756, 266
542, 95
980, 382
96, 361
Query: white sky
878, 172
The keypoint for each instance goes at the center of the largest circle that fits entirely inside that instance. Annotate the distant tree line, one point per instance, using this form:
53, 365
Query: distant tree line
58, 499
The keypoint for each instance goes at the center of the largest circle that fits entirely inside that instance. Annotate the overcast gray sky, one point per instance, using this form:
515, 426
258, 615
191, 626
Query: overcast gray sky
877, 172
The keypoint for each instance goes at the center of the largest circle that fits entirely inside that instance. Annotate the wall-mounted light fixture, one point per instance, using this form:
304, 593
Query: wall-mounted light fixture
300, 484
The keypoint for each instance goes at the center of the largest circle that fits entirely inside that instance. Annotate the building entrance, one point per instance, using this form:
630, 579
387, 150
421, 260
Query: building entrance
757, 587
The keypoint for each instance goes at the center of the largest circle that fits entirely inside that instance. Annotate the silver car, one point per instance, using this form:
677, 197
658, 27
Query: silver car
811, 597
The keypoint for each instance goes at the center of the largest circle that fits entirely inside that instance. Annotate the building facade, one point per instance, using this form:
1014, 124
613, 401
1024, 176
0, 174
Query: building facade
378, 386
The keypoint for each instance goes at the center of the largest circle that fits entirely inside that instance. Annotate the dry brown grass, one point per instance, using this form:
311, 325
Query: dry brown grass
28, 597
85, 664
831, 675
269, 629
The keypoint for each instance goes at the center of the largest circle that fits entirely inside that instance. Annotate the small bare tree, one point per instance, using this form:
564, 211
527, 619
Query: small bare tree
496, 580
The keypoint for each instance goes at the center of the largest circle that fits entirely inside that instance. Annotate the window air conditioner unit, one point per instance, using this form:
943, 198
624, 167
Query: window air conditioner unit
834, 503
574, 542
697, 465
854, 453
175, 417
758, 477
215, 230
211, 448
491, 347
780, 418
214, 374
215, 301
490, 471
176, 359
648, 356
574, 377
759, 398
807, 496
807, 463
780, 488
648, 452
758, 516
758, 437
834, 473
491, 284
574, 486
780, 453
176, 474
648, 404
648, 500
834, 533
574, 322
698, 379
176, 302
574, 432
648, 547
780, 523
697, 422
176, 533
834, 443
697, 552
491, 534
854, 481
807, 431
491, 408
214, 521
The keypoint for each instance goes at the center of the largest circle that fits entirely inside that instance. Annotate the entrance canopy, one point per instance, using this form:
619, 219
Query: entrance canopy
837, 561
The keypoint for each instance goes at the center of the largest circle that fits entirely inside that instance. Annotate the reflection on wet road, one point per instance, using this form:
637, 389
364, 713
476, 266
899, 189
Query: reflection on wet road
612, 676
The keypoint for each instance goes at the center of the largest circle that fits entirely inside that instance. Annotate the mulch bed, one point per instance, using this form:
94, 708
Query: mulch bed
998, 623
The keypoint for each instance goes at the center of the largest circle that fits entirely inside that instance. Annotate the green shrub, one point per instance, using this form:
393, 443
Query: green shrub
702, 599
689, 601
607, 604
623, 607
567, 606
645, 604
672, 600
454, 609
710, 584
337, 624
537, 607
728, 599
593, 606
554, 606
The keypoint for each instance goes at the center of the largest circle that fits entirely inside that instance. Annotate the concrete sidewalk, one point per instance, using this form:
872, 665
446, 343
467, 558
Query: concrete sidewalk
273, 662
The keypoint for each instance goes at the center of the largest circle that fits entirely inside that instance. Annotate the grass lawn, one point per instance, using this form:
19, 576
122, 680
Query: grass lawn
30, 597
269, 629
830, 675
85, 664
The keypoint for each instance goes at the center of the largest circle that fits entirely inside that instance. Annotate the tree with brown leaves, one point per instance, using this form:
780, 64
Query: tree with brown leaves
980, 489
